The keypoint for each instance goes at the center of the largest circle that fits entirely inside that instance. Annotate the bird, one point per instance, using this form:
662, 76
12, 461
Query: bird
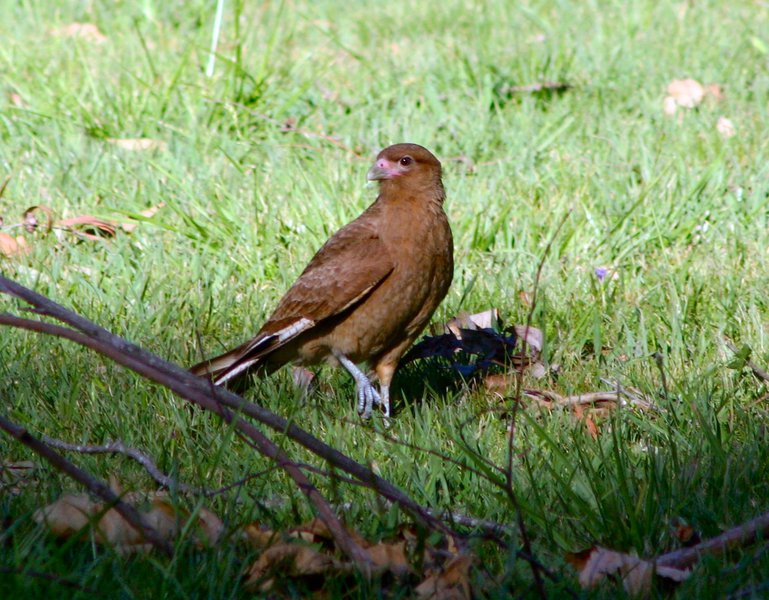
369, 291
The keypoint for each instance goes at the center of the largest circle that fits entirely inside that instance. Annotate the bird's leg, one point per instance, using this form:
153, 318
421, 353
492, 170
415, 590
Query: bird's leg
367, 394
385, 372
384, 391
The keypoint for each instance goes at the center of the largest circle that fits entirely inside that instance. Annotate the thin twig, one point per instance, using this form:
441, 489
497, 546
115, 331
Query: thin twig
118, 447
166, 481
757, 371
550, 397
101, 489
125, 354
525, 540
200, 392
744, 534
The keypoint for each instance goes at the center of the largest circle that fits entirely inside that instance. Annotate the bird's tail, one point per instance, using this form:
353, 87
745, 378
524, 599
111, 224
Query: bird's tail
255, 353
230, 365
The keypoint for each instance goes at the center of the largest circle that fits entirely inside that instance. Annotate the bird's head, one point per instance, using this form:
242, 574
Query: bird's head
406, 166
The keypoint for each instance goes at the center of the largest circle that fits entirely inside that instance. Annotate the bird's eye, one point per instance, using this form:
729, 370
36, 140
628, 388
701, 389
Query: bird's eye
406, 161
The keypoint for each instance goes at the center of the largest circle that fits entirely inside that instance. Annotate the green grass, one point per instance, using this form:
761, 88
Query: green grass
679, 213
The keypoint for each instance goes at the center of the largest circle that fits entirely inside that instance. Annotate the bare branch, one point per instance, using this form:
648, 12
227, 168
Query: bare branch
218, 400
736, 537
757, 371
101, 489
118, 447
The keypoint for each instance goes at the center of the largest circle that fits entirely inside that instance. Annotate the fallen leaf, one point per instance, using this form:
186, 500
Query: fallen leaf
93, 227
531, 336
260, 537
597, 564
669, 106
686, 93
488, 319
391, 556
149, 213
725, 127
450, 583
72, 513
138, 144
87, 31
68, 515
211, 526
11, 246
287, 559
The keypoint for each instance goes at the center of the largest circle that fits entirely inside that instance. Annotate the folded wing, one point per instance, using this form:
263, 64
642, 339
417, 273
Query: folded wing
349, 266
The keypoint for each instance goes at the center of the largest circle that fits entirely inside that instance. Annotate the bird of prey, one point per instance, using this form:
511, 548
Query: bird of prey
368, 292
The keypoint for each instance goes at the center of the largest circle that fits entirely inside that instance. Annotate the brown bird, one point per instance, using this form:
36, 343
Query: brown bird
369, 291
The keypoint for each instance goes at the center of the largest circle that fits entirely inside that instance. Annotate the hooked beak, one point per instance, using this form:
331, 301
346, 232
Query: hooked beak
380, 170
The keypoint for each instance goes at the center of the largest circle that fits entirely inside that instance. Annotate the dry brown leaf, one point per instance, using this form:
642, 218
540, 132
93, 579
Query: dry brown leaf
71, 513
488, 319
90, 224
313, 531
531, 336
138, 144
687, 93
149, 213
391, 557
669, 106
112, 529
596, 564
292, 560
87, 31
725, 127
714, 91
587, 419
211, 527
260, 537
451, 583
68, 515
12, 246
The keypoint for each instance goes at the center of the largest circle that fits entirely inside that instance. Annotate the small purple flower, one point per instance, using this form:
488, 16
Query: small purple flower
601, 272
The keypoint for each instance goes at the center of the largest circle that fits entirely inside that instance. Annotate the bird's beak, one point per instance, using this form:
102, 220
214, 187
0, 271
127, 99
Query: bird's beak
380, 171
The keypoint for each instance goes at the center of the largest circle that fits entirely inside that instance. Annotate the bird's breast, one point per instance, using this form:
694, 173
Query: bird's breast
404, 302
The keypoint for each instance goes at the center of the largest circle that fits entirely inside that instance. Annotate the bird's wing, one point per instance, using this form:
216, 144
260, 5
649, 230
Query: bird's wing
349, 266
344, 271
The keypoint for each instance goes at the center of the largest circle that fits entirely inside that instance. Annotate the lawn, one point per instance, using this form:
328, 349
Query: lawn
259, 155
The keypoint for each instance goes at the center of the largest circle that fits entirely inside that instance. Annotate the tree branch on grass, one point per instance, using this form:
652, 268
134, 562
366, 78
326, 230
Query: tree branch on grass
99, 488
166, 481
742, 535
126, 354
757, 371
220, 401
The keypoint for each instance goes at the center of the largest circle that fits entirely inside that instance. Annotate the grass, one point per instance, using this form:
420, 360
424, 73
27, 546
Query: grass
678, 212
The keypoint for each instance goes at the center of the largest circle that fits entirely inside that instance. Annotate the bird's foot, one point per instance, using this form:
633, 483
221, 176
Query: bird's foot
368, 397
